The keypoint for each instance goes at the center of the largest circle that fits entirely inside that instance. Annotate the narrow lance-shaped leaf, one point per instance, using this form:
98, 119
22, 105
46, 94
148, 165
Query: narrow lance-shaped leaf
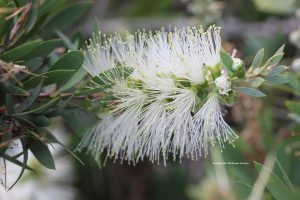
274, 59
13, 89
24, 163
53, 139
42, 153
280, 50
42, 108
9, 103
17, 162
256, 82
226, 59
75, 79
64, 17
293, 106
277, 79
251, 91
66, 40
294, 117
258, 58
71, 60
79, 120
21, 51
43, 49
30, 99
277, 187
51, 77
277, 70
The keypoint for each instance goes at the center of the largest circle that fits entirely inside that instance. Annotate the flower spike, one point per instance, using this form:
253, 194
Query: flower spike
169, 102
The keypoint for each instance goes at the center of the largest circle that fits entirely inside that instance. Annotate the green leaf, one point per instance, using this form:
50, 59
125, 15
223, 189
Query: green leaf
24, 165
27, 119
53, 139
256, 82
71, 60
251, 91
276, 186
30, 99
277, 70
294, 83
6, 24
62, 70
34, 64
15, 89
275, 59
226, 59
66, 40
294, 117
17, 162
9, 103
41, 121
49, 7
79, 120
117, 72
89, 91
293, 106
3, 3
258, 58
43, 49
285, 176
51, 77
18, 53
65, 17
277, 79
280, 50
278, 7
42, 153
75, 79
42, 108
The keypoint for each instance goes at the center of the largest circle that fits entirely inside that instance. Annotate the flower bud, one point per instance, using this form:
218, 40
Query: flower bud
238, 64
223, 84
238, 67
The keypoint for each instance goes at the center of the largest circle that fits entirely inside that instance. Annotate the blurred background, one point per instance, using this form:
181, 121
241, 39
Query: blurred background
268, 127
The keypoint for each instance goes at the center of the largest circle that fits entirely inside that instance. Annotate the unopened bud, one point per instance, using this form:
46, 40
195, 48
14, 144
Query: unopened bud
223, 84
238, 68
238, 64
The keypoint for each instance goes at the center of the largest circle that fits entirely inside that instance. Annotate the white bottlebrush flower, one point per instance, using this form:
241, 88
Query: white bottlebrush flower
210, 125
152, 110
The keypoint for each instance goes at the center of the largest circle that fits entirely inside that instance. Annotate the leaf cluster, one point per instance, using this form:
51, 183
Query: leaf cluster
38, 76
